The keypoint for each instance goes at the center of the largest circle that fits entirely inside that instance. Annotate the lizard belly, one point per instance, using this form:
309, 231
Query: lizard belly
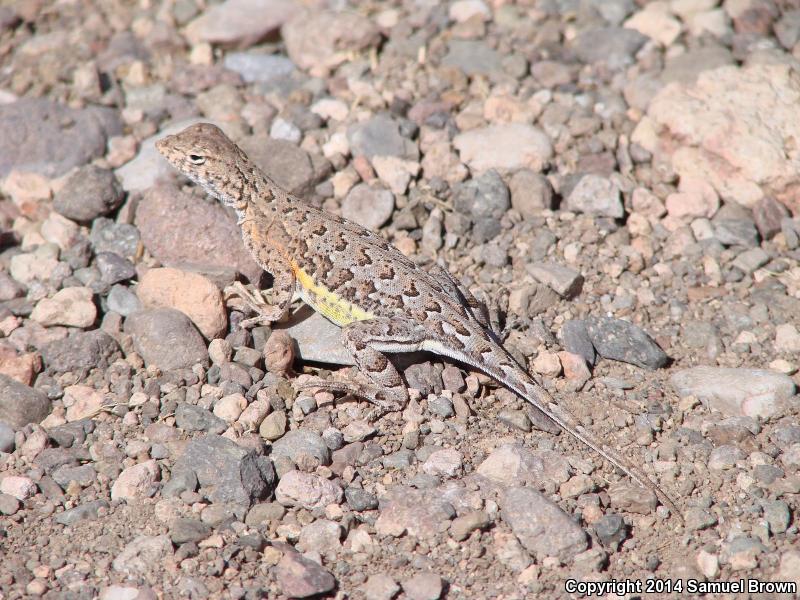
326, 302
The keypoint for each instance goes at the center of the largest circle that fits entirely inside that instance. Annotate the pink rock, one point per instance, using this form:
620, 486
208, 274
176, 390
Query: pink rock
72, 307
240, 22
191, 293
134, 481
20, 487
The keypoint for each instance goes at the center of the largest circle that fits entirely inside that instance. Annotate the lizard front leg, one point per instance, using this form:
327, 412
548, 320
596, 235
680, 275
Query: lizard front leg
283, 286
369, 341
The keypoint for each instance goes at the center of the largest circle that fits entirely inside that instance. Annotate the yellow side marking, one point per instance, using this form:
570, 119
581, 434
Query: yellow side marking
333, 307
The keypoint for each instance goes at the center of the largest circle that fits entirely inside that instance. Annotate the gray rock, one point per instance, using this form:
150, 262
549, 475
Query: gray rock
259, 68
576, 340
359, 499
114, 268
380, 136
299, 577
166, 338
20, 404
84, 475
81, 350
320, 536
566, 282
6, 437
621, 340
380, 586
735, 232
120, 238
724, 457
84, 512
317, 339
541, 526
89, 193
485, 200
616, 46
184, 530
787, 29
596, 195
777, 514
473, 57
181, 481
288, 164
9, 505
686, 67
302, 441
367, 205
697, 519
424, 377
226, 471
750, 392
441, 407
10, 288
611, 530
41, 136
751, 259
122, 300
196, 418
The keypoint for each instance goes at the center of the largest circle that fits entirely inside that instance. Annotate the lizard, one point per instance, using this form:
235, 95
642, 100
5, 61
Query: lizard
383, 301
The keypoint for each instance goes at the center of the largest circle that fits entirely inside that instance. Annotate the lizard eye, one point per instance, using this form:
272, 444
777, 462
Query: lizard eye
197, 159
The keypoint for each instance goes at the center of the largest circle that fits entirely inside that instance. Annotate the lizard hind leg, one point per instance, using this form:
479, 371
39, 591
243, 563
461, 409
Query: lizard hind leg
369, 341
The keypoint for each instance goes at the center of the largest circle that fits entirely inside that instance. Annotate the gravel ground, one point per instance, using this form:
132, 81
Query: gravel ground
618, 179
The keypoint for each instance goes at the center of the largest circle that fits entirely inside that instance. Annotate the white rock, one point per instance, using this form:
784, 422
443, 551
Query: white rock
71, 306
507, 146
134, 481
20, 487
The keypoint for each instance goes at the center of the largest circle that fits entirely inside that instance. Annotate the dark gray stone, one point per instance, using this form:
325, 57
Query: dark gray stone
620, 340
359, 499
84, 475
6, 437
84, 512
81, 350
184, 530
122, 300
41, 136
166, 338
195, 418
611, 530
180, 481
425, 378
576, 340
20, 404
114, 268
484, 200
89, 193
226, 471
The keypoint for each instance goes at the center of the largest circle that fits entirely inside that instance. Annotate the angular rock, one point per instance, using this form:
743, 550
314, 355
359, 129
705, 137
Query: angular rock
566, 282
513, 146
299, 577
596, 195
380, 136
136, 481
289, 165
21, 404
302, 441
226, 471
473, 57
166, 338
308, 490
81, 350
421, 513
621, 340
733, 392
139, 556
541, 526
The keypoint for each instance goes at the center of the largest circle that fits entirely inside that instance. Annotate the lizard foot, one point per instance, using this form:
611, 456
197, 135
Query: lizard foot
372, 394
265, 312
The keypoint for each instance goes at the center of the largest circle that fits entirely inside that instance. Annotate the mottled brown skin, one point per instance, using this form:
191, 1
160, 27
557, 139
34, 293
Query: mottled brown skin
382, 300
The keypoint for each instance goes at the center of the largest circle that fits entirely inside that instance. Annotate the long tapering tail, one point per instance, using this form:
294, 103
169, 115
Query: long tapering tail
521, 383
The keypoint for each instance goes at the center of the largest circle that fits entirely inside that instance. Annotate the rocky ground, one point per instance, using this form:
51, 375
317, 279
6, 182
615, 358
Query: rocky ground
620, 179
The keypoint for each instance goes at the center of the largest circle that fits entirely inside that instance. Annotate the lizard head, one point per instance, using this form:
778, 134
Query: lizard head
208, 157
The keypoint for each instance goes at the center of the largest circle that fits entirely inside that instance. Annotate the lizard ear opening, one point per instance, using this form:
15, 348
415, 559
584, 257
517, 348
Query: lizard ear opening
197, 159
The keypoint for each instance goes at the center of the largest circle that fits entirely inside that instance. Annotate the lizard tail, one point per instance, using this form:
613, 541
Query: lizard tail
522, 384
